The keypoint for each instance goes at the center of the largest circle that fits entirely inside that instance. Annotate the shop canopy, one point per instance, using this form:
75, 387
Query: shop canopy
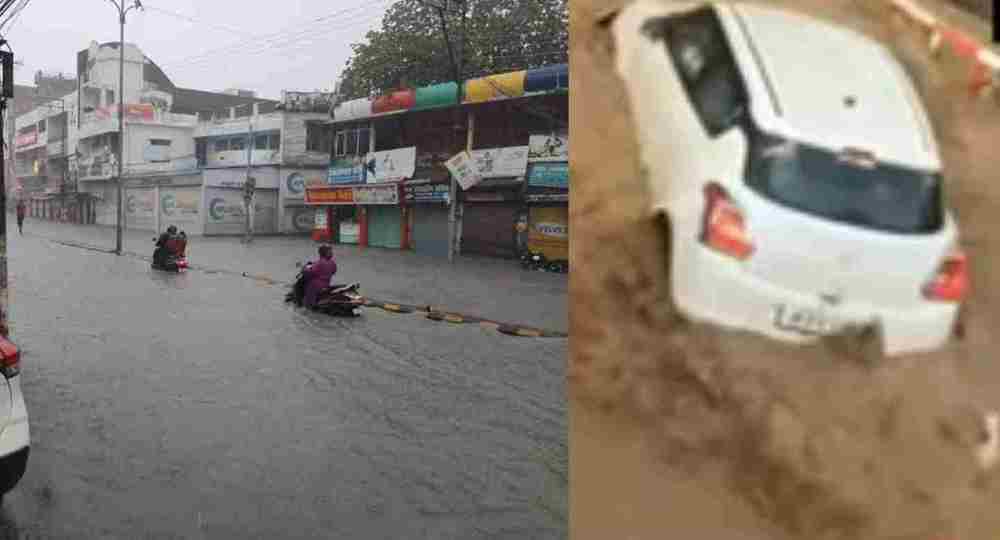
544, 80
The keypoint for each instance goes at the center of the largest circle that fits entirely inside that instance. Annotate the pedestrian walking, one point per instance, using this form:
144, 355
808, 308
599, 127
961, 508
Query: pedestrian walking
20, 217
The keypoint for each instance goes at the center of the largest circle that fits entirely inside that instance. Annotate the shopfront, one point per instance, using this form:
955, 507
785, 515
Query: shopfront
376, 207
154, 203
428, 216
547, 199
489, 215
295, 216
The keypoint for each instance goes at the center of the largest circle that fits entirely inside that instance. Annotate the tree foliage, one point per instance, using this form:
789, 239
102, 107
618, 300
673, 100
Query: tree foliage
499, 35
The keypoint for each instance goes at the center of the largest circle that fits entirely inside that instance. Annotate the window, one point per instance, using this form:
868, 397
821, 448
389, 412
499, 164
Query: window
238, 143
275, 142
41, 126
110, 95
319, 138
260, 142
353, 142
698, 48
221, 145
159, 142
158, 150
844, 188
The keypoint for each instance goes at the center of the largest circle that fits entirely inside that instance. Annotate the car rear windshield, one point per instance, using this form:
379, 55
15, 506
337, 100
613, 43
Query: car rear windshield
816, 181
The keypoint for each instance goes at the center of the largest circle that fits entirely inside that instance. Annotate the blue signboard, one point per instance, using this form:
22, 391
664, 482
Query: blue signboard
345, 171
554, 175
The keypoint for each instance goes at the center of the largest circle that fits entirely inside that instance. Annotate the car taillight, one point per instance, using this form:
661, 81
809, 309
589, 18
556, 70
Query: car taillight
951, 282
10, 359
723, 226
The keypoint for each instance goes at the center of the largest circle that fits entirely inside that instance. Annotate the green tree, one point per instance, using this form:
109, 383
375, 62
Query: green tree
500, 35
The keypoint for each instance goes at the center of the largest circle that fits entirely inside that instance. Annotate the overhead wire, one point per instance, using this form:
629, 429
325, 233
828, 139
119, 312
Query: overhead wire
293, 29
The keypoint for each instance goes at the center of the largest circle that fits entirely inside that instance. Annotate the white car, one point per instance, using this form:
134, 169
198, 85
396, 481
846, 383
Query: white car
14, 437
798, 170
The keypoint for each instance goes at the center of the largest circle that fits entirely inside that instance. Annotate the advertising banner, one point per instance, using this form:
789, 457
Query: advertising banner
224, 207
501, 162
390, 165
549, 232
462, 167
549, 175
134, 112
330, 195
180, 207
426, 193
387, 194
300, 219
554, 147
345, 170
26, 139
140, 209
293, 185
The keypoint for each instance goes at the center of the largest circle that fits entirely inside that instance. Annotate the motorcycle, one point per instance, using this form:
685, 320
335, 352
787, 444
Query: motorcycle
338, 300
175, 259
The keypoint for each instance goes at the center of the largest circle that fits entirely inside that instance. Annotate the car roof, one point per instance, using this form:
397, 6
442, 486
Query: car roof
802, 72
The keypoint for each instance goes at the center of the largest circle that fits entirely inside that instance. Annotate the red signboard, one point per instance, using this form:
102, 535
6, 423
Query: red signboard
26, 139
329, 195
136, 111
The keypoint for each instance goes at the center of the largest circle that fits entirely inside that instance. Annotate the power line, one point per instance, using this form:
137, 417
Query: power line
291, 28
190, 19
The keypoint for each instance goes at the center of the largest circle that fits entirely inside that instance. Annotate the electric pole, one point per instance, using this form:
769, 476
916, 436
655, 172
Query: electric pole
250, 184
120, 212
6, 92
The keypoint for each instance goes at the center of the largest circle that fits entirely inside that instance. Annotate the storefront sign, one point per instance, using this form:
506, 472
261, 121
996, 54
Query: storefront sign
305, 102
345, 171
180, 206
427, 193
547, 197
26, 139
554, 147
330, 195
390, 165
549, 232
226, 207
388, 194
549, 175
462, 167
501, 162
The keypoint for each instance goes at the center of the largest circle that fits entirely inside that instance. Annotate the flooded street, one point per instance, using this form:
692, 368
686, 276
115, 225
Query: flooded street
201, 406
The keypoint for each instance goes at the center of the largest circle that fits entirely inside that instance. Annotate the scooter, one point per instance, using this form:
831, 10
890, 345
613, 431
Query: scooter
176, 258
336, 300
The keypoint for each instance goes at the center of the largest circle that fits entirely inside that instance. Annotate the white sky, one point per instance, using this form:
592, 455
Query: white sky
267, 46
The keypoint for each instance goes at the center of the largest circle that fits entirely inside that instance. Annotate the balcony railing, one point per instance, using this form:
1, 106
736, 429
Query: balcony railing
57, 148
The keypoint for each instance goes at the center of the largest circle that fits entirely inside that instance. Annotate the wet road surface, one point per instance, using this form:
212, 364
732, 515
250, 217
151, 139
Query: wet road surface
201, 406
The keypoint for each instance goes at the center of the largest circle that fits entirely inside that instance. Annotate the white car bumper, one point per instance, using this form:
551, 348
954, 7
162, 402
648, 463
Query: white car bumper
14, 440
713, 288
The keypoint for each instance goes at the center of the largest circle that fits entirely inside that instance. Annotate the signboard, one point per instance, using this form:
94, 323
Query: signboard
387, 194
501, 162
549, 232
308, 102
345, 170
293, 185
426, 193
547, 197
134, 111
180, 207
463, 169
330, 195
26, 139
549, 175
225, 207
390, 165
140, 209
554, 147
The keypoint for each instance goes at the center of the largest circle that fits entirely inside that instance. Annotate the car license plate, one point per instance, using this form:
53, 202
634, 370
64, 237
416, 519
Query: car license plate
812, 322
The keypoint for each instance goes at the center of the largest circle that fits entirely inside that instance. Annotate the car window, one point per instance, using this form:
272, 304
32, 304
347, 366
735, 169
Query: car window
698, 48
817, 181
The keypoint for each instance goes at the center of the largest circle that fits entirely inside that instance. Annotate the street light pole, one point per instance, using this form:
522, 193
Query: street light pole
119, 217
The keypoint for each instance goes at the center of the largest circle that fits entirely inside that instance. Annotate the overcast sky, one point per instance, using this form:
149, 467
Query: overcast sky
203, 44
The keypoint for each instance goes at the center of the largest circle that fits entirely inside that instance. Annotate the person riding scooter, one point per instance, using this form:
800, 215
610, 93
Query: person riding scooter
161, 254
317, 275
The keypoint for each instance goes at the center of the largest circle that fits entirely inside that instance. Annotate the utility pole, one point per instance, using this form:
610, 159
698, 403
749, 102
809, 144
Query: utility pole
250, 184
6, 91
457, 68
120, 213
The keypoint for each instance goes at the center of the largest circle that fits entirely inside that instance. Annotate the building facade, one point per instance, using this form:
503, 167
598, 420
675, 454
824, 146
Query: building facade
388, 181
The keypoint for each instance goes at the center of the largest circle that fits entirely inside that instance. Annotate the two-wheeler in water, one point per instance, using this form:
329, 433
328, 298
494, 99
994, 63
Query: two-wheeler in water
337, 300
174, 259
